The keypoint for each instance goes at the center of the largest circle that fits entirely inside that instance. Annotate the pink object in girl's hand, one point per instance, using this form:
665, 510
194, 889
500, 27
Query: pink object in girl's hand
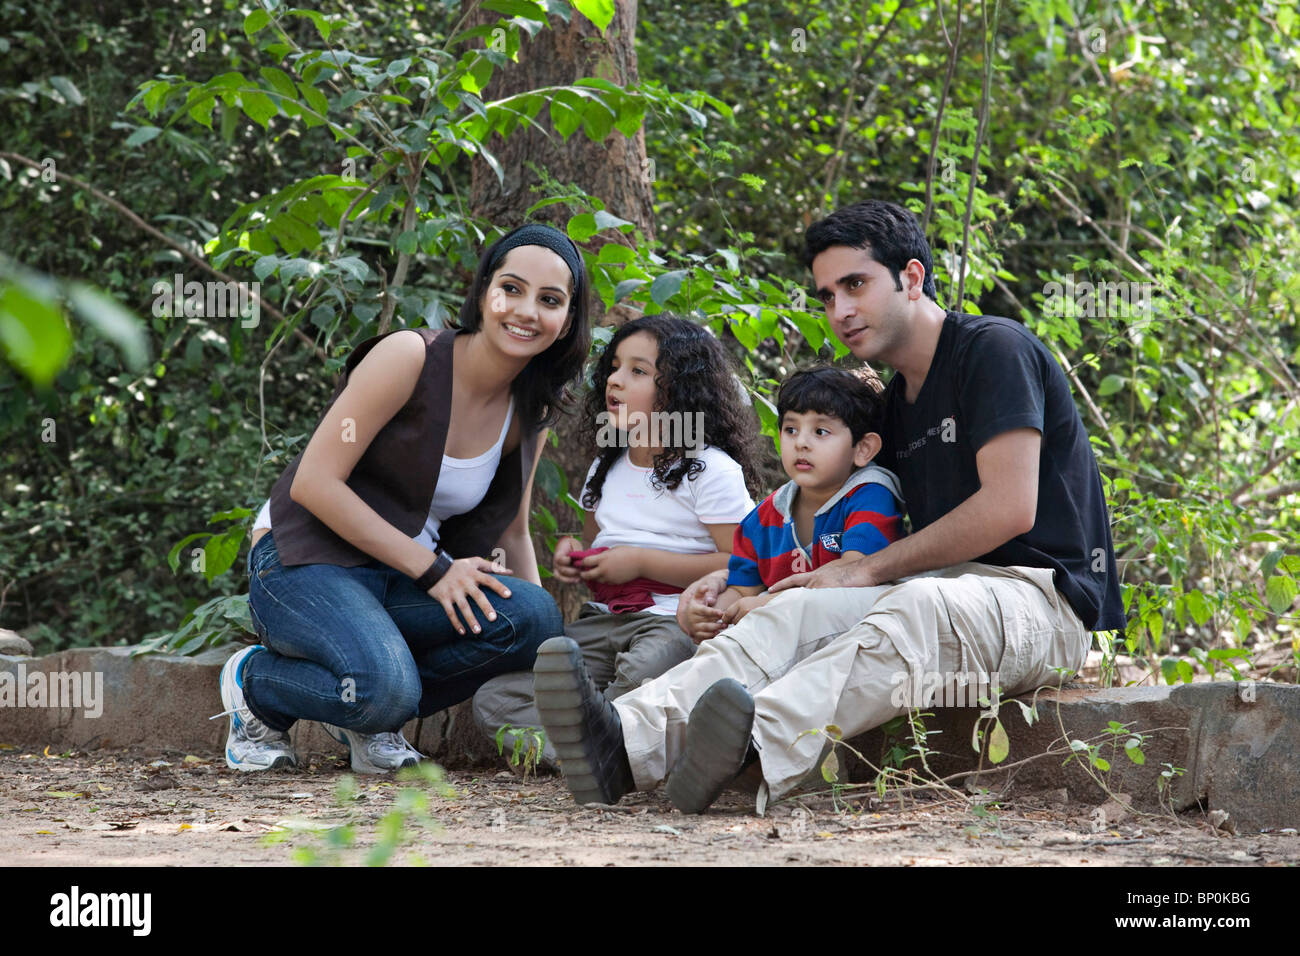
577, 556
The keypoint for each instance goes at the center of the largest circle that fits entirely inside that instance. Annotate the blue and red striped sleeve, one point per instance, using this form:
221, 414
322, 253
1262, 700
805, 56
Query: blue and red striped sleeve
872, 520
742, 567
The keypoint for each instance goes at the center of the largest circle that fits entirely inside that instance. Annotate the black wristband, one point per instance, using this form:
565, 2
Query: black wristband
441, 565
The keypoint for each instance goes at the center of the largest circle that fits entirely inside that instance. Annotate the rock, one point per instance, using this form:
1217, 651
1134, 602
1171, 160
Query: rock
1116, 811
1222, 820
14, 645
1235, 744
163, 702
1244, 750
1084, 713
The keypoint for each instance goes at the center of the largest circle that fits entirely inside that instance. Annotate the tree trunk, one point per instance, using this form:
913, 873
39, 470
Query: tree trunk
614, 170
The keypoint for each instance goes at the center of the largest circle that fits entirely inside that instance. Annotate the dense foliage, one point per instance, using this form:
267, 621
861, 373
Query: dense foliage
1122, 177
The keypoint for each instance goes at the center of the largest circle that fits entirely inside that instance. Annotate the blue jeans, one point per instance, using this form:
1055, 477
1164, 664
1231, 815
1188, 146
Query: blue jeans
364, 648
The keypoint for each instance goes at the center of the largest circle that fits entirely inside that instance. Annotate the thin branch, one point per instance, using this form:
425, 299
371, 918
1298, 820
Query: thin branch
938, 124
990, 41
837, 158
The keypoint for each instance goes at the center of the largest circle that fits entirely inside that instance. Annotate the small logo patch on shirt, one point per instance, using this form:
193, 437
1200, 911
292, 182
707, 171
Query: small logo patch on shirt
831, 542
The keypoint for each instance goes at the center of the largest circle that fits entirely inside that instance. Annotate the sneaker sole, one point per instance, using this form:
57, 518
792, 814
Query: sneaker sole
717, 739
559, 688
279, 763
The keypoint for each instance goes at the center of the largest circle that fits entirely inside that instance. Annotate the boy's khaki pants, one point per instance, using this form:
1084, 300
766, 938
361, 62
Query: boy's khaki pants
853, 656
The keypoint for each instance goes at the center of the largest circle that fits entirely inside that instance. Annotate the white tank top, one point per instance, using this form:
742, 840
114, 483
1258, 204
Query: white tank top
462, 483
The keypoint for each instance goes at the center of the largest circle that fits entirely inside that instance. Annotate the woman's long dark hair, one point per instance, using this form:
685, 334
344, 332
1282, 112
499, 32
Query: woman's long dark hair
693, 375
545, 386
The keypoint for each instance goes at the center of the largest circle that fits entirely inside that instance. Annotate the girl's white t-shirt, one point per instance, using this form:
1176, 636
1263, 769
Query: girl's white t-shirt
632, 512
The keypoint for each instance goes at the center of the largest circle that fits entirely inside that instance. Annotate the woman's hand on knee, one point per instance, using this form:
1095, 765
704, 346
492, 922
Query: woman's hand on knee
464, 582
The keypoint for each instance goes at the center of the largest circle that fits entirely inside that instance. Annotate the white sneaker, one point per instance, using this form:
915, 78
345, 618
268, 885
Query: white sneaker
376, 753
251, 744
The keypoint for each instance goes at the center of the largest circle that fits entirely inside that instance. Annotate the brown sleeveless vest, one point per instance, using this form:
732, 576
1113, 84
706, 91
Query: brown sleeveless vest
398, 473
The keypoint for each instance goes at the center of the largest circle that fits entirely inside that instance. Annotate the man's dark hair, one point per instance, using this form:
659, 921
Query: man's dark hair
855, 398
888, 233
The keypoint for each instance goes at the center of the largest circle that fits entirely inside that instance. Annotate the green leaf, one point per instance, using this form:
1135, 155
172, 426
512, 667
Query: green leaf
69, 90
201, 111
145, 133
582, 227
111, 320
527, 9
33, 332
353, 267
255, 21
607, 220
221, 551
1280, 592
173, 556
1199, 607
599, 12
398, 67
322, 25
999, 745
831, 767
258, 106
1111, 384
279, 81
626, 287
566, 112
667, 285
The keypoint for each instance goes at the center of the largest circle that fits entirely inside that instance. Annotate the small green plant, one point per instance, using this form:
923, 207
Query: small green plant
1164, 784
525, 754
395, 829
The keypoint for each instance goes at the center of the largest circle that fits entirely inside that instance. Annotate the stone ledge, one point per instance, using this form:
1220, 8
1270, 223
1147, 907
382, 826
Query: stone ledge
1239, 755
164, 702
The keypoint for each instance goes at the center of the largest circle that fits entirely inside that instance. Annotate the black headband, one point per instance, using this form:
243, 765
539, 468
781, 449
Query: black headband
537, 234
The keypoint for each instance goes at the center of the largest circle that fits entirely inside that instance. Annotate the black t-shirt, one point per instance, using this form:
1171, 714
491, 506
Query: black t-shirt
991, 375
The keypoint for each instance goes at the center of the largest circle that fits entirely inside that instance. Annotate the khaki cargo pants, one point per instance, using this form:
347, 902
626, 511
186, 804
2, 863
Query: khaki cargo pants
843, 656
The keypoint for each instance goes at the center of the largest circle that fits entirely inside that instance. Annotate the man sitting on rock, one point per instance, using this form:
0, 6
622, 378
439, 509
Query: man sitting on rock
1008, 568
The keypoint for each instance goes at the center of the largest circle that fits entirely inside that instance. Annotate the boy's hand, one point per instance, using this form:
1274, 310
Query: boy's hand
700, 621
611, 566
563, 567
704, 592
743, 606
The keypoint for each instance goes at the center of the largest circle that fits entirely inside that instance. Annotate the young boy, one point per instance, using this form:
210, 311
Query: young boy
835, 505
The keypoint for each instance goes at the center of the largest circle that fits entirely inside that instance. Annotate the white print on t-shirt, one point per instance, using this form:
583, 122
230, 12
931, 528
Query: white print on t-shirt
946, 430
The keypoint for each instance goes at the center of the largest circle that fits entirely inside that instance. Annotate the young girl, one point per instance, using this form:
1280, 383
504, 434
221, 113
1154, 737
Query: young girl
367, 571
676, 460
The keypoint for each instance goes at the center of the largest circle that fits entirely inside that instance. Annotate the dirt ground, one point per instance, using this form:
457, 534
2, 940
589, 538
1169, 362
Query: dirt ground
128, 808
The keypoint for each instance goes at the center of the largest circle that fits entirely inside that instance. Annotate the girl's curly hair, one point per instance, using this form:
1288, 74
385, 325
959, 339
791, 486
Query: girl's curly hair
693, 375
